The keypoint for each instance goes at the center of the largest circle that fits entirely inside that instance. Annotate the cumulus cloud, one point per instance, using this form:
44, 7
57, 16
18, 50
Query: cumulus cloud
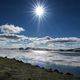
12, 37
9, 36
65, 39
11, 28
54, 43
44, 42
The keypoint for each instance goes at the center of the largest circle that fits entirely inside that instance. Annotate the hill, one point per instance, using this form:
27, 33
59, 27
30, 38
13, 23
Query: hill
11, 69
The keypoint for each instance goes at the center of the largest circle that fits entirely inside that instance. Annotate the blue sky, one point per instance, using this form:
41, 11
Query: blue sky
59, 29
63, 19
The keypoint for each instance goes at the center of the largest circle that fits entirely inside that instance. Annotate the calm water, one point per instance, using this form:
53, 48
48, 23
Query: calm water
63, 61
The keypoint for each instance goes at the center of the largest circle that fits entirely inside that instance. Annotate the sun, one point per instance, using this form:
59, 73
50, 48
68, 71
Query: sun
39, 11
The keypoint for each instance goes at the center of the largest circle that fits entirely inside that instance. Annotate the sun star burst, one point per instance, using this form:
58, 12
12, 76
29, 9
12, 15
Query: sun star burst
39, 10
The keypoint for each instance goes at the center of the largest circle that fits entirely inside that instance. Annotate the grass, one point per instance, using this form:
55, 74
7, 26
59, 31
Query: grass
11, 69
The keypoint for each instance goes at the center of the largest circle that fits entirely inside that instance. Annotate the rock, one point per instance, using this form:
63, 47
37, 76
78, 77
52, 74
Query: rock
56, 71
21, 48
69, 74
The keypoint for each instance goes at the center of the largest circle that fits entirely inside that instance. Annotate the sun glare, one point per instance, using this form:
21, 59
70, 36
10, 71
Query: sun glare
39, 11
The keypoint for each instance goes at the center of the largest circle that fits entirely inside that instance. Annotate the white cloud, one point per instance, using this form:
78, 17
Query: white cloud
45, 42
4, 37
55, 43
11, 28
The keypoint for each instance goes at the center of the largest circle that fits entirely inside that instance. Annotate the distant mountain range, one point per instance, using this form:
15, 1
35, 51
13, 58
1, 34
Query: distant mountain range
44, 49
